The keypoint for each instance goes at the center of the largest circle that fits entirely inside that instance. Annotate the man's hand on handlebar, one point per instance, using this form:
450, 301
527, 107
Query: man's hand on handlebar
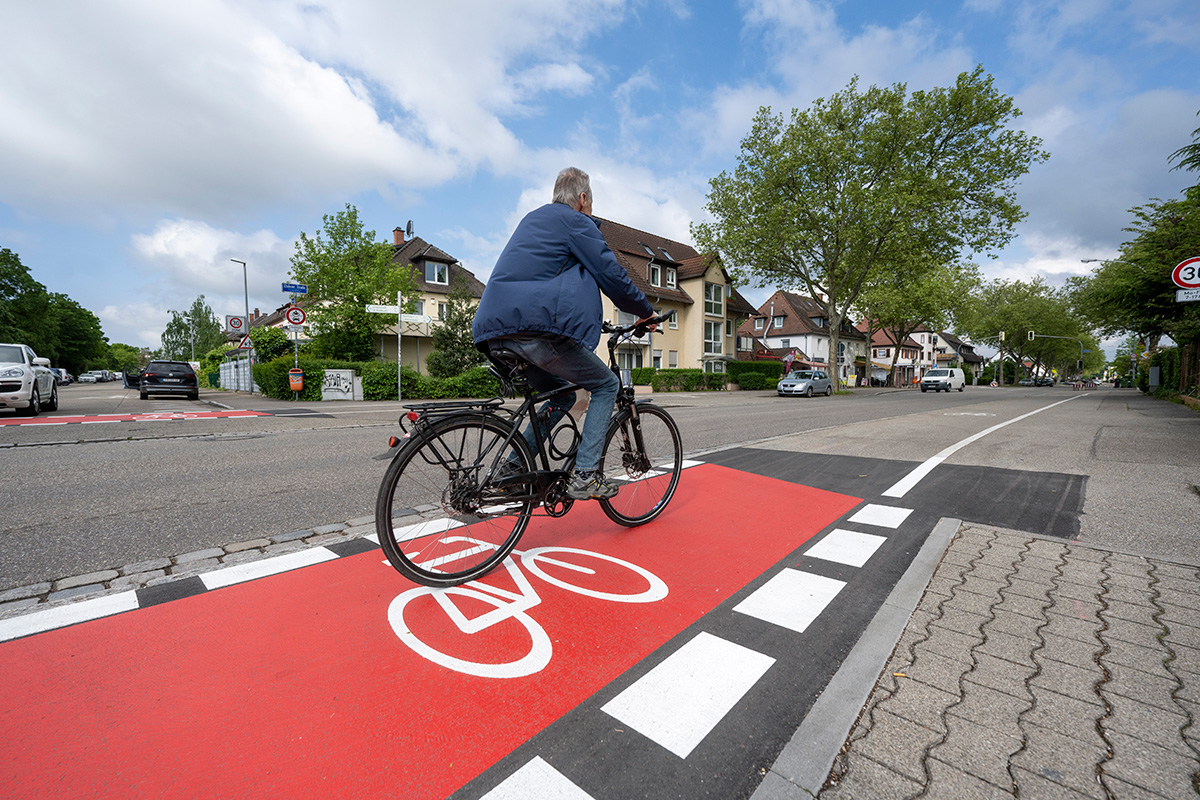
645, 323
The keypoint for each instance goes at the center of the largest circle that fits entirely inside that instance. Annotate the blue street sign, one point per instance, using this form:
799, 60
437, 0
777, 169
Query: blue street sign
295, 288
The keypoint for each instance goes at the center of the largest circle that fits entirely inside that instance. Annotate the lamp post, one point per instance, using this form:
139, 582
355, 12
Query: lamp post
246, 290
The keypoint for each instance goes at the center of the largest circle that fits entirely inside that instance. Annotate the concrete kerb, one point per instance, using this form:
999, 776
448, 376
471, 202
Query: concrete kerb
805, 762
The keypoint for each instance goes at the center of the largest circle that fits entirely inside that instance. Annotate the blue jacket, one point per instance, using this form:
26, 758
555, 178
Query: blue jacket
549, 279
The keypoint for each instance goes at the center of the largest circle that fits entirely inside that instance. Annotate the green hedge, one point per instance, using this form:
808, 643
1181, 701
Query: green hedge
755, 380
378, 380
687, 380
771, 370
642, 376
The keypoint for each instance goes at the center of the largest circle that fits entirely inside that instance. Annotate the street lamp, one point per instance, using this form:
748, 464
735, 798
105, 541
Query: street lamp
246, 290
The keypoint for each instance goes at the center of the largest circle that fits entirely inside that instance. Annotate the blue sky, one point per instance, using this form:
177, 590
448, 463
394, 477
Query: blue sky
145, 144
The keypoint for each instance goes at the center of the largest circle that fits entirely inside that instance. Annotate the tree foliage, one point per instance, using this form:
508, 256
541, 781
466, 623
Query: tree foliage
870, 182
1188, 156
346, 269
54, 325
270, 343
452, 340
192, 333
1134, 293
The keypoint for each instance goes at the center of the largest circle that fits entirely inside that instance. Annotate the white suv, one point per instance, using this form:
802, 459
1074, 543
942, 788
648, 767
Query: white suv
943, 379
26, 382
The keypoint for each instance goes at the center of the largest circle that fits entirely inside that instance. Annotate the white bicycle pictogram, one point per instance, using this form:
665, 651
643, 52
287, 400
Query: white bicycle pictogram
514, 605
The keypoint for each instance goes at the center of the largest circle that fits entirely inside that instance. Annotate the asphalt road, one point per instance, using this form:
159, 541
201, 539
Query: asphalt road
94, 494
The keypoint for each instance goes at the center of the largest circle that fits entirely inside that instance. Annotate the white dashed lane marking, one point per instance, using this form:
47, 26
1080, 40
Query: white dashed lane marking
846, 547
537, 780
681, 700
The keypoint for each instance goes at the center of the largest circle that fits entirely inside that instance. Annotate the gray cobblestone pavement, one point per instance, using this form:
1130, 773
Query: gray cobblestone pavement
36, 597
1039, 668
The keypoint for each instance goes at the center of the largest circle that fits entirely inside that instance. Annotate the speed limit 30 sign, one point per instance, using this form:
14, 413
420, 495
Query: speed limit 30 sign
1187, 274
295, 315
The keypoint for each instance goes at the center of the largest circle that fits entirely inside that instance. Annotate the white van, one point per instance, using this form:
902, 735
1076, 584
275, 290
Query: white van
943, 379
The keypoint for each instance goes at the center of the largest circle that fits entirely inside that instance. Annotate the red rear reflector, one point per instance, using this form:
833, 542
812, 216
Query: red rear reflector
412, 416
393, 441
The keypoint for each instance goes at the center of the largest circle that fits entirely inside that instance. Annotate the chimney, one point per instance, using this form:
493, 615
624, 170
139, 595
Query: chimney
398, 235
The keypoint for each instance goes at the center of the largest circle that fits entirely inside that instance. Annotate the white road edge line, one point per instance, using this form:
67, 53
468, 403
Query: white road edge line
910, 480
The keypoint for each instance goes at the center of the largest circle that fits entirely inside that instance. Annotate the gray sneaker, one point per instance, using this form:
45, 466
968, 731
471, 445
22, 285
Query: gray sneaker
591, 486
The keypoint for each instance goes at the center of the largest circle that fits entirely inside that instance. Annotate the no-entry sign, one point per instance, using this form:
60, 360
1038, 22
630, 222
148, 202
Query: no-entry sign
295, 315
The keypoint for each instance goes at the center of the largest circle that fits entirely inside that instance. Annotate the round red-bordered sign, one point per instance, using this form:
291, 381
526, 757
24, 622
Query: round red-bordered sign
1187, 274
295, 315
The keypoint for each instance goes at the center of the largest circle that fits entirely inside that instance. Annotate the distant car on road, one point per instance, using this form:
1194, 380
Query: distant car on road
1044, 381
943, 379
806, 382
26, 382
1025, 382
169, 377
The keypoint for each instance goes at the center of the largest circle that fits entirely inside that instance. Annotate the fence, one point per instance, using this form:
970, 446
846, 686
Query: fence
236, 376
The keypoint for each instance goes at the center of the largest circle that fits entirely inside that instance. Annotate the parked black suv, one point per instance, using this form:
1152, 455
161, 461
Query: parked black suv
169, 377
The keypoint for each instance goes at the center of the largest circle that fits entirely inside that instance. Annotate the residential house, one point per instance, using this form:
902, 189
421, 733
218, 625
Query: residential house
954, 352
435, 273
908, 366
675, 277
789, 321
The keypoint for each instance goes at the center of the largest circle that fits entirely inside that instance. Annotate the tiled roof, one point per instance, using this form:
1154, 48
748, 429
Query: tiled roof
416, 250
630, 247
799, 313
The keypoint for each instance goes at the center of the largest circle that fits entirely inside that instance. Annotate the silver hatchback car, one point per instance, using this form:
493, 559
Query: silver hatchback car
805, 382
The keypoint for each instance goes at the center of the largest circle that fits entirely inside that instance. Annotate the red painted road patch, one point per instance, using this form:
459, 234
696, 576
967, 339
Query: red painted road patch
298, 685
166, 416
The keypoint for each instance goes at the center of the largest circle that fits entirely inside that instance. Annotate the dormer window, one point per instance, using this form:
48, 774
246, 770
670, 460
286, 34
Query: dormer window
646, 247
655, 275
663, 250
671, 277
437, 273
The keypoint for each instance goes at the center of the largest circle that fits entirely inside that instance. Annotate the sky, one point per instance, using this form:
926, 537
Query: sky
143, 144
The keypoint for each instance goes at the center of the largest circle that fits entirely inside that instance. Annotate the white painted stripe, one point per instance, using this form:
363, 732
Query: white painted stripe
792, 599
846, 547
72, 614
687, 464
537, 780
680, 701
101, 421
881, 516
910, 480
268, 566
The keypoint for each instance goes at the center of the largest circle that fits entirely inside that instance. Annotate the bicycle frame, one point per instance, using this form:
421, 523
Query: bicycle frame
422, 415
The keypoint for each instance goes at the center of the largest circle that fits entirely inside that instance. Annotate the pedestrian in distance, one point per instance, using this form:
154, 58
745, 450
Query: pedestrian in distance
542, 302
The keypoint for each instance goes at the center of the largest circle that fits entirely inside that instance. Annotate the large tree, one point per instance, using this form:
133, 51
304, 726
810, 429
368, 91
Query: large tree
868, 181
192, 333
24, 307
346, 269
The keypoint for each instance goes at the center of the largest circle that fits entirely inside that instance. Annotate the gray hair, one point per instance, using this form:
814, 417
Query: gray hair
571, 183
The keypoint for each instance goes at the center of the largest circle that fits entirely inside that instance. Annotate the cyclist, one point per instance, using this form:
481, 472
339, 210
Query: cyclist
542, 301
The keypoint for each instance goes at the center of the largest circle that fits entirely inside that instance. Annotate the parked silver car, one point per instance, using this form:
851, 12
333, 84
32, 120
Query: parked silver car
26, 382
806, 382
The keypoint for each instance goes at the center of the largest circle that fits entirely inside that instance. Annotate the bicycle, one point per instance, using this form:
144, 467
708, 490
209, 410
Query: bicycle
463, 483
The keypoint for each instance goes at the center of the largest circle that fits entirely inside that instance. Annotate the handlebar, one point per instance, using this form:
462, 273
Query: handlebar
638, 328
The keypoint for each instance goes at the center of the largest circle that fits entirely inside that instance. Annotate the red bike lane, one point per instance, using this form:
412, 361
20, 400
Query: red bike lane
299, 684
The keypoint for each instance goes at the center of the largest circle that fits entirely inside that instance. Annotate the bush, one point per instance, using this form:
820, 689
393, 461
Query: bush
687, 380
642, 376
770, 370
752, 380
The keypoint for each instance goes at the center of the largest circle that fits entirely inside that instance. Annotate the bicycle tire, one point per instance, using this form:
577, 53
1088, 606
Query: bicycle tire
648, 481
435, 525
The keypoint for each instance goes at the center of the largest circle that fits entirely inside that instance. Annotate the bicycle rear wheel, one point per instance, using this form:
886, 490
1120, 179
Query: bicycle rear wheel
440, 522
647, 477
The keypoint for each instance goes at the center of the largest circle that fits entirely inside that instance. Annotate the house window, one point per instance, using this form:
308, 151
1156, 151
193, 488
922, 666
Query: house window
729, 327
671, 277
714, 366
712, 338
713, 299
441, 310
629, 359
672, 359
778, 321
655, 275
656, 360
674, 323
785, 342
420, 309
758, 324
625, 318
437, 273
665, 253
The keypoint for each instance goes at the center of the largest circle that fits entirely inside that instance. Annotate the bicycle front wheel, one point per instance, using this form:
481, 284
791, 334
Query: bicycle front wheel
440, 520
647, 474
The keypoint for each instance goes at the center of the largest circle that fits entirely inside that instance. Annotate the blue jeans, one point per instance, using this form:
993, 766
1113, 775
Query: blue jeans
555, 362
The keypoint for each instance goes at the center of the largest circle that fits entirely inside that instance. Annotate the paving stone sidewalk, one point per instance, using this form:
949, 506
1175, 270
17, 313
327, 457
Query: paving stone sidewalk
1036, 668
